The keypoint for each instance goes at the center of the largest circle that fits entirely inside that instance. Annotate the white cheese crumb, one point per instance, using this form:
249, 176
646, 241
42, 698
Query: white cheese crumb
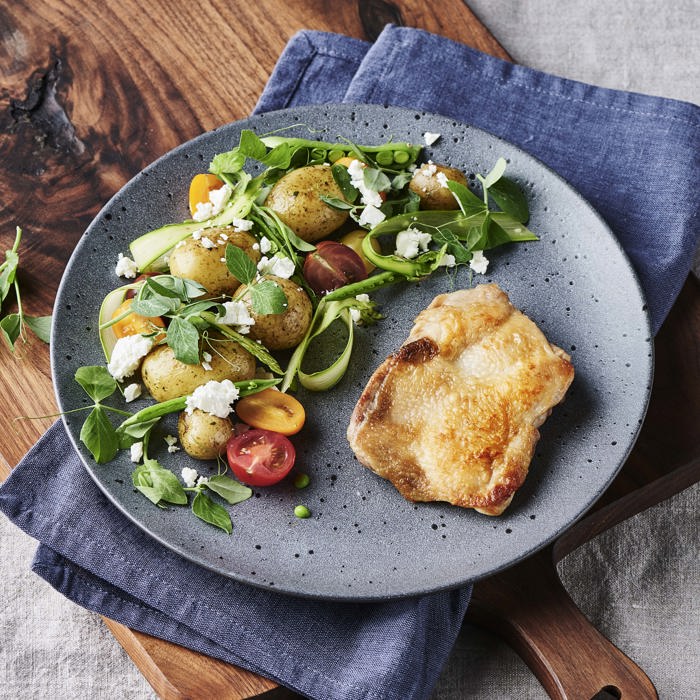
357, 180
219, 198
207, 242
206, 366
235, 314
479, 262
280, 267
362, 297
189, 476
430, 138
126, 267
242, 224
411, 242
180, 244
197, 235
131, 392
442, 179
136, 452
213, 397
372, 216
203, 211
223, 236
265, 245
172, 446
430, 168
447, 260
127, 354
256, 246
202, 480
355, 315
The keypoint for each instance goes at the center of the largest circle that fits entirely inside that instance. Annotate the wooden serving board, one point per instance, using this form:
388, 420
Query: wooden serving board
93, 92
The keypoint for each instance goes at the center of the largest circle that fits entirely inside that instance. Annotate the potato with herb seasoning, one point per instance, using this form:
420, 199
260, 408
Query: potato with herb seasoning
296, 199
203, 435
428, 183
200, 259
166, 377
285, 330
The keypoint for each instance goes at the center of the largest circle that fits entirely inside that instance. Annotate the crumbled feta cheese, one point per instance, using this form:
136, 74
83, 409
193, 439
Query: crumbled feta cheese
265, 245
256, 246
172, 446
430, 138
206, 366
213, 397
411, 242
362, 297
197, 235
280, 267
355, 315
223, 236
447, 260
206, 356
126, 267
202, 480
372, 216
131, 392
127, 355
203, 211
189, 476
180, 243
357, 180
442, 179
219, 198
235, 314
430, 168
479, 262
207, 242
242, 224
136, 452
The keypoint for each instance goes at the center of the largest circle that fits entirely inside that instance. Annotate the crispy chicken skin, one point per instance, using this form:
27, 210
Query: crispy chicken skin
453, 414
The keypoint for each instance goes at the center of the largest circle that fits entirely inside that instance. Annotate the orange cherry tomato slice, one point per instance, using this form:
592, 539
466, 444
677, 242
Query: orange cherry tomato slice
200, 187
135, 324
270, 409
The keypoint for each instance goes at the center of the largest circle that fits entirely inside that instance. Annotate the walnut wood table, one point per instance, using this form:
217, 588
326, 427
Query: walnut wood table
93, 92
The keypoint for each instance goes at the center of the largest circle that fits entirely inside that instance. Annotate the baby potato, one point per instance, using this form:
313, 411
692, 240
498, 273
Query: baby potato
433, 195
166, 378
202, 435
193, 259
295, 198
285, 330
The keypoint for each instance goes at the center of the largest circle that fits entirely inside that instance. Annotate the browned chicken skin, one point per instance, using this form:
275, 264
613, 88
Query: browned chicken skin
453, 414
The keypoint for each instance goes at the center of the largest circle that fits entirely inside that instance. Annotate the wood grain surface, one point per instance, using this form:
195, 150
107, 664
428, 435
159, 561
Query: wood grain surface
90, 93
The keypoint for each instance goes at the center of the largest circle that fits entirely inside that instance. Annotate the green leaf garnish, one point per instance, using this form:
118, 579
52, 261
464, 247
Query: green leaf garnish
97, 382
183, 338
40, 326
213, 513
240, 265
99, 436
267, 297
230, 490
510, 198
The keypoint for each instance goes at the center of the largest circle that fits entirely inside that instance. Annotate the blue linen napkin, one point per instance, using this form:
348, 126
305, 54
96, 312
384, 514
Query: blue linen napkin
634, 157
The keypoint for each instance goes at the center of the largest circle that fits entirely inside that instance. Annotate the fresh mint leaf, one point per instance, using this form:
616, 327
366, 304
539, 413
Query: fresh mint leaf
229, 489
454, 246
468, 202
183, 338
251, 146
230, 162
495, 175
267, 297
99, 436
40, 326
97, 382
11, 327
510, 198
164, 290
376, 180
401, 180
158, 484
240, 265
213, 513
155, 305
343, 180
179, 287
8, 273
279, 157
336, 203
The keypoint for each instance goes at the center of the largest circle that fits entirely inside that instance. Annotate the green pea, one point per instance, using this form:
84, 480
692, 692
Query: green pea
385, 158
335, 154
301, 480
302, 512
401, 157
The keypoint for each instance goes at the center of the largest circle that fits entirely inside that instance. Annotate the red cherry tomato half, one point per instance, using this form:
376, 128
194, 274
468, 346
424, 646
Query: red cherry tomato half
332, 265
260, 457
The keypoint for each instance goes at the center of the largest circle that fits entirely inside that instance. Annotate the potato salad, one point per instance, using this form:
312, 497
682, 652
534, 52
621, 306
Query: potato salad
216, 314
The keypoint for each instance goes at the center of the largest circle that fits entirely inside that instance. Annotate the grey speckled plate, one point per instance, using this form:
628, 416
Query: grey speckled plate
364, 541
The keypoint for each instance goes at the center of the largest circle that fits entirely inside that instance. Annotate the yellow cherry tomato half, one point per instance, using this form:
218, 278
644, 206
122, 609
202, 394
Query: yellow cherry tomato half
353, 239
200, 187
135, 324
270, 409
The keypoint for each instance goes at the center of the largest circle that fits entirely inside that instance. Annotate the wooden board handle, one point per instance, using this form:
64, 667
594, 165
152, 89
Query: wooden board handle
528, 606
